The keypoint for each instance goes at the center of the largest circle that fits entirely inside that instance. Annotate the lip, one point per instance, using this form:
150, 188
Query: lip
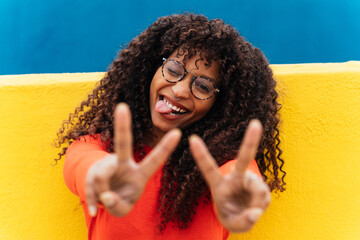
175, 103
168, 116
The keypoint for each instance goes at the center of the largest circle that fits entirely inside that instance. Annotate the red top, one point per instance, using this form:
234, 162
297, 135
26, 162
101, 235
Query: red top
141, 222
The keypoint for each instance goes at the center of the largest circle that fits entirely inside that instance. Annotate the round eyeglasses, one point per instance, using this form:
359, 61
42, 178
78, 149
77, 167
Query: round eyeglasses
201, 87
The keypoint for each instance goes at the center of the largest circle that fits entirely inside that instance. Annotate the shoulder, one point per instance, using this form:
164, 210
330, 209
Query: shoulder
227, 167
88, 142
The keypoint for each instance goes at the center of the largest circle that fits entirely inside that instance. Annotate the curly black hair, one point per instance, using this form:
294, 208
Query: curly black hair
247, 91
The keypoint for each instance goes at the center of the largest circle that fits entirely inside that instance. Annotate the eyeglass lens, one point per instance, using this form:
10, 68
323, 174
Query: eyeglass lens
201, 87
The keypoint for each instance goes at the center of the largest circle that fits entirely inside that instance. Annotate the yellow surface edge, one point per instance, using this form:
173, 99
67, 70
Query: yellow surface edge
320, 137
49, 78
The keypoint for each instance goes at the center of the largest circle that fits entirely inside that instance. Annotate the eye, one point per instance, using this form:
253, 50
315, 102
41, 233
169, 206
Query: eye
174, 69
173, 72
202, 85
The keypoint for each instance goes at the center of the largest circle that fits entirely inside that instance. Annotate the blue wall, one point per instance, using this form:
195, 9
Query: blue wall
43, 36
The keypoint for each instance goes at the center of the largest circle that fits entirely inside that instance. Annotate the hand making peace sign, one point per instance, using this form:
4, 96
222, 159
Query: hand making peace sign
241, 196
118, 181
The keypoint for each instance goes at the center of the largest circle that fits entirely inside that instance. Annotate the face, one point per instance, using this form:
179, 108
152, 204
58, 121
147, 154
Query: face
172, 105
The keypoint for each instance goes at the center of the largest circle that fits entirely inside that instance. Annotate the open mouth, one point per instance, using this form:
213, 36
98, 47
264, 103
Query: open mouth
165, 106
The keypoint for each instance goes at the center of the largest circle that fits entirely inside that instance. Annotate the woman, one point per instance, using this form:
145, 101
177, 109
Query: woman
132, 167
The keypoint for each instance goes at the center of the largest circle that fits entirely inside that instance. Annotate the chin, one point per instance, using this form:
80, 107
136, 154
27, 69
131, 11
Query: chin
161, 126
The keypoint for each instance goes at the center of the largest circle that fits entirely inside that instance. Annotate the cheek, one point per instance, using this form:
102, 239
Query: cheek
157, 81
154, 86
203, 109
151, 91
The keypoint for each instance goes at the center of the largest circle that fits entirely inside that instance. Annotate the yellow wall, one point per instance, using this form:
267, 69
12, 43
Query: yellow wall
320, 138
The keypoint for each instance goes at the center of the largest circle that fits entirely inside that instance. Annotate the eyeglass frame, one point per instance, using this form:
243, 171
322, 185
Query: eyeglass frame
216, 90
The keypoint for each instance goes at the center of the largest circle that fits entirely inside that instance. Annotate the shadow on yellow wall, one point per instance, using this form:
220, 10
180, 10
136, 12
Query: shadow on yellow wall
320, 138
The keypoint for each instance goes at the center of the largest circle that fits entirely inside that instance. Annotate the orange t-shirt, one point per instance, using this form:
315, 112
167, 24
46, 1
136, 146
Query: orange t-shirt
141, 222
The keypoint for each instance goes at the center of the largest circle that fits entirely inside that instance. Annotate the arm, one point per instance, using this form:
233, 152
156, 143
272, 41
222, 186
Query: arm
80, 156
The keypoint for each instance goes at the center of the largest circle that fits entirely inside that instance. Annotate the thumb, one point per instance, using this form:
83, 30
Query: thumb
114, 204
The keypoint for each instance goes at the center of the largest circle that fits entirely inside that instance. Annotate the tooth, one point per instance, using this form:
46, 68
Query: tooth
173, 107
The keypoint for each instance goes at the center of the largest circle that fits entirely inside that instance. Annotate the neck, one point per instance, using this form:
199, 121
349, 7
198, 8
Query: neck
153, 138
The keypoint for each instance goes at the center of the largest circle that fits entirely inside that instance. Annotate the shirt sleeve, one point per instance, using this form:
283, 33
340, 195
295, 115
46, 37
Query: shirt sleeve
79, 157
226, 168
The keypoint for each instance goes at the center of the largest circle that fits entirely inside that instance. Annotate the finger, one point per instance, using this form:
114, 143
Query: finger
246, 220
160, 153
91, 200
205, 161
98, 179
122, 133
114, 204
258, 189
249, 146
90, 192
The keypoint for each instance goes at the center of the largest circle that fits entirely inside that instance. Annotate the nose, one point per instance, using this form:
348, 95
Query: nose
181, 89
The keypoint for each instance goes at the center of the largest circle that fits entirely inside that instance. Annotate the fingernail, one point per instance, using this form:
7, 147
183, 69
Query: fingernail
92, 210
255, 122
121, 105
255, 214
177, 131
193, 137
107, 199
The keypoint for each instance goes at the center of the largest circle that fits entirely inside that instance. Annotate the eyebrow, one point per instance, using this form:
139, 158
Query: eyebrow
215, 81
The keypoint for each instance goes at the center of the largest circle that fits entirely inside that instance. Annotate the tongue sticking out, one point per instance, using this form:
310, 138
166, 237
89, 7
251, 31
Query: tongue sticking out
161, 107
